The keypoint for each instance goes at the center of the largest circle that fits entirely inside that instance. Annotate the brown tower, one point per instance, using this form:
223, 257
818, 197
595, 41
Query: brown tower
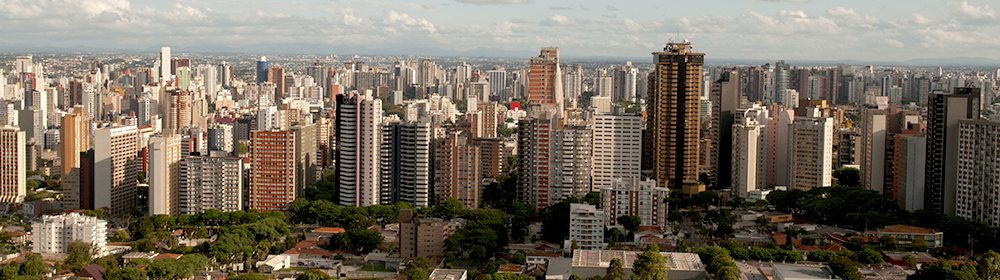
673, 117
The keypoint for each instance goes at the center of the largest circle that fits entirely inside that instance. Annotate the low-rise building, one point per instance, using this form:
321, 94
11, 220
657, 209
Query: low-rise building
590, 263
586, 227
52, 234
800, 272
273, 263
906, 235
449, 274
322, 235
422, 236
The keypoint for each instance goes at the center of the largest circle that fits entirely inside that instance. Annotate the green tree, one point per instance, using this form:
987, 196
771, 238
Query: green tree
630, 223
575, 277
364, 241
989, 266
520, 257
706, 254
869, 256
313, 275
34, 266
911, 261
78, 254
888, 242
819, 256
945, 270
650, 265
248, 276
128, 273
848, 176
844, 268
615, 270
728, 273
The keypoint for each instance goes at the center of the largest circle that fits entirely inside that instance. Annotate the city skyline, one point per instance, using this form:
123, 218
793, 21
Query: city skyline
805, 30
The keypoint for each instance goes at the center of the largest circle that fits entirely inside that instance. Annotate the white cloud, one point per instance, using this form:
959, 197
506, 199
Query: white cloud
972, 14
797, 1
784, 22
852, 18
494, 2
893, 43
561, 20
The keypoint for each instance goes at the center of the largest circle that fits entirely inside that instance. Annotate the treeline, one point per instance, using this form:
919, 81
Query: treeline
862, 210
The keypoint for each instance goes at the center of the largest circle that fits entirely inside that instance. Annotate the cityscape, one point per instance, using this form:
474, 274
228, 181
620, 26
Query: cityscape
471, 160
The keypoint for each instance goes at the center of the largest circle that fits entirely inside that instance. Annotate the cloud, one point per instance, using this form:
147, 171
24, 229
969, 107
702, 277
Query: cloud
893, 43
494, 2
522, 20
561, 20
783, 23
612, 15
584, 8
796, 1
972, 14
611, 8
852, 18
560, 8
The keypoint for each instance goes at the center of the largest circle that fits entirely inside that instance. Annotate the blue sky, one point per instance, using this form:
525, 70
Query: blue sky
752, 29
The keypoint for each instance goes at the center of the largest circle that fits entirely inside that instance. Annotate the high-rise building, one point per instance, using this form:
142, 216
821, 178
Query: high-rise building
179, 114
211, 183
75, 137
586, 226
177, 63
262, 70
405, 160
498, 83
943, 113
811, 152
912, 164
12, 156
183, 77
534, 156
359, 119
878, 130
165, 66
307, 160
276, 75
164, 169
272, 170
116, 166
635, 197
749, 151
491, 155
457, 170
220, 137
726, 94
572, 152
545, 79
617, 148
978, 171
673, 115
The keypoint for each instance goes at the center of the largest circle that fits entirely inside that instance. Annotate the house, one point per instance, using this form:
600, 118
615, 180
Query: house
128, 258
516, 269
322, 235
273, 263
92, 271
541, 257
306, 254
906, 235
896, 257
647, 231
449, 274
167, 256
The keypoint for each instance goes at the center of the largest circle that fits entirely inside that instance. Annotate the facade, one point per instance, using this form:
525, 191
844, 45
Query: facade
116, 165
272, 170
358, 123
544, 85
943, 113
617, 149
912, 164
905, 235
75, 137
571, 161
52, 234
405, 161
211, 183
262, 70
164, 169
307, 158
748, 151
811, 154
12, 177
457, 170
422, 236
673, 109
586, 226
635, 197
726, 95
978, 171
534, 158
179, 111
491, 155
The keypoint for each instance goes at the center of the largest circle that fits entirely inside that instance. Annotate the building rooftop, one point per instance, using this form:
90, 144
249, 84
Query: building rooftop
448, 274
920, 256
801, 272
602, 258
512, 268
906, 229
329, 230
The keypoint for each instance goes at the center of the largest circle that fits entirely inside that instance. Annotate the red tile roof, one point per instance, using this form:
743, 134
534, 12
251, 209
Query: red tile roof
329, 229
167, 256
835, 248
906, 229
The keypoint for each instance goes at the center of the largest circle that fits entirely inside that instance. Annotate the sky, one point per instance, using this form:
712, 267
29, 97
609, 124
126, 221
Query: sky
879, 30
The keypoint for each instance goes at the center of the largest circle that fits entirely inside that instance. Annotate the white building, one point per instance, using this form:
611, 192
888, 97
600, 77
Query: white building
617, 149
359, 119
811, 155
586, 227
978, 171
164, 168
116, 165
635, 197
54, 233
12, 156
749, 156
211, 183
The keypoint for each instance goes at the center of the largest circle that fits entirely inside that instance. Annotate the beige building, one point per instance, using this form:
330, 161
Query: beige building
116, 165
457, 170
164, 169
491, 153
811, 153
12, 177
617, 149
422, 236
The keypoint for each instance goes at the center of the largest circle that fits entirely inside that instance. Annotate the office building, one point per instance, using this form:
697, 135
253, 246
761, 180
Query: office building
944, 110
272, 170
617, 148
635, 197
405, 160
164, 175
209, 182
457, 166
811, 152
359, 119
726, 94
262, 70
276, 75
673, 116
53, 234
586, 226
116, 165
12, 158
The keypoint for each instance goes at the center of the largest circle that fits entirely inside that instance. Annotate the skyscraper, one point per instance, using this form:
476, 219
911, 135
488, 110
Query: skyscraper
180, 111
811, 152
164, 169
534, 175
359, 119
12, 155
272, 170
977, 186
456, 170
749, 150
164, 66
673, 115
545, 79
116, 165
617, 148
405, 163
498, 83
211, 183
276, 75
75, 137
262, 70
943, 113
726, 95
